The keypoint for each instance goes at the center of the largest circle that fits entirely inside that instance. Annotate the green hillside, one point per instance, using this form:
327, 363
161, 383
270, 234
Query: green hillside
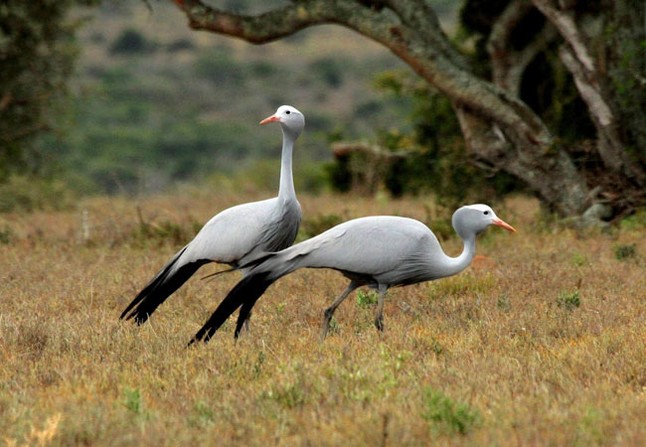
158, 103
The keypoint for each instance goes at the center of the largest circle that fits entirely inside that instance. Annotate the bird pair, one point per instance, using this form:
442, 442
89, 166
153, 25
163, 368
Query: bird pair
378, 251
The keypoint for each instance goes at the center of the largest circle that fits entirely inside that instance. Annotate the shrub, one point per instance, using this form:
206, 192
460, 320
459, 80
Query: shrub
569, 300
317, 225
447, 415
6, 234
623, 252
27, 193
367, 299
330, 70
130, 42
133, 400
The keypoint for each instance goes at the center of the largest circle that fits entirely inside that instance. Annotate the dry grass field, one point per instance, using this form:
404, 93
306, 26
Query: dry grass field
541, 342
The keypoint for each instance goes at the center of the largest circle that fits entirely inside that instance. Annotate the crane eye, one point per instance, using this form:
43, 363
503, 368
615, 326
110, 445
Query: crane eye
486, 213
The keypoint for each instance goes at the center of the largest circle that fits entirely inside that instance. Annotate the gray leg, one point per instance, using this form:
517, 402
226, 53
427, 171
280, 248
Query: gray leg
329, 312
379, 314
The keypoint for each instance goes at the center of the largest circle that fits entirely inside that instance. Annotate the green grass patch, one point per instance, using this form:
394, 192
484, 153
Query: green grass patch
447, 415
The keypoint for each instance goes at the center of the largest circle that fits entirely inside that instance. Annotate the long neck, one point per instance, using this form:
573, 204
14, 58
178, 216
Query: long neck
455, 265
286, 188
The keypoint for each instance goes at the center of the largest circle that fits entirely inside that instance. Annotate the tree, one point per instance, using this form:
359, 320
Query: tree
500, 129
36, 56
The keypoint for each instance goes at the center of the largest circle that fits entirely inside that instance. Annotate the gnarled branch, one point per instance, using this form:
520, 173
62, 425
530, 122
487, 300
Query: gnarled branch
260, 29
509, 64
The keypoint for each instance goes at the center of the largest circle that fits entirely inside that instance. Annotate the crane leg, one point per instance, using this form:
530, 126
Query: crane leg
379, 313
329, 312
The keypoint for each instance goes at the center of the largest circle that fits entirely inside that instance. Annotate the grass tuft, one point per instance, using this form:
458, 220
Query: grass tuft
625, 252
569, 300
367, 299
133, 400
447, 415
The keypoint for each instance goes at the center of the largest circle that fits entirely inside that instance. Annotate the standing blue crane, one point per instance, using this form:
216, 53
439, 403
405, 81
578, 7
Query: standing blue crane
235, 236
379, 252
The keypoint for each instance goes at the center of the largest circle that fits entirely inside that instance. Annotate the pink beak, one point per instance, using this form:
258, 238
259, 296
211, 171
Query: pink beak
502, 223
270, 119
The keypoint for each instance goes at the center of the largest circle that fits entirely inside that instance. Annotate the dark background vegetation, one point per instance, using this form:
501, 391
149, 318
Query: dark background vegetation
151, 103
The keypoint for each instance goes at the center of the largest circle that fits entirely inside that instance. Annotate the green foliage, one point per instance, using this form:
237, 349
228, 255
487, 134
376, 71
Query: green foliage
579, 259
37, 52
449, 416
125, 143
624, 40
6, 234
589, 430
131, 42
289, 395
220, 68
312, 226
636, 221
367, 299
624, 252
433, 157
203, 415
133, 400
162, 233
569, 300
27, 193
330, 70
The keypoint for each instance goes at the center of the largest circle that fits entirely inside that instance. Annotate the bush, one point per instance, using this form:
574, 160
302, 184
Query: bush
330, 70
130, 42
220, 68
27, 193
447, 415
623, 252
569, 300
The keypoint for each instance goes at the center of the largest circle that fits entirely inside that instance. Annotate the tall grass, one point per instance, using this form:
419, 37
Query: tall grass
485, 358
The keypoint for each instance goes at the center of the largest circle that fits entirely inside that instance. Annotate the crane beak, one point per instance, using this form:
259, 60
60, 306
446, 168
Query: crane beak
503, 224
269, 119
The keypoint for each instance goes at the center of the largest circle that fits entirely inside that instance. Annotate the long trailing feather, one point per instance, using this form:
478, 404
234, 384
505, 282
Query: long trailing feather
245, 294
159, 289
158, 278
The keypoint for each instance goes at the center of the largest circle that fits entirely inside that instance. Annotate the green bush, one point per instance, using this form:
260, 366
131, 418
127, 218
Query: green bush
569, 300
623, 252
312, 226
448, 416
329, 69
367, 299
28, 193
131, 42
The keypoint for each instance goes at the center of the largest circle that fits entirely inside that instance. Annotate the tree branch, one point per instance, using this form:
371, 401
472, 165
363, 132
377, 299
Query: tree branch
508, 64
259, 29
568, 29
418, 15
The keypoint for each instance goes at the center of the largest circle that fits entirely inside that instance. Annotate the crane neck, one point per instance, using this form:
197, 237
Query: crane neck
459, 263
286, 188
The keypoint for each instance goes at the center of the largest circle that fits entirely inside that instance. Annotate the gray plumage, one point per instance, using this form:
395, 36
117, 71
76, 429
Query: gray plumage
379, 252
237, 235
